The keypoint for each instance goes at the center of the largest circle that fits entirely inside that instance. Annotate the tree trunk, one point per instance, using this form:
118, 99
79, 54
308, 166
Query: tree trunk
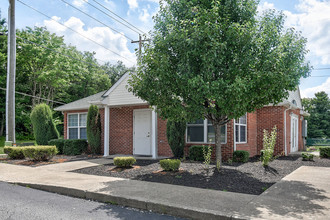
217, 130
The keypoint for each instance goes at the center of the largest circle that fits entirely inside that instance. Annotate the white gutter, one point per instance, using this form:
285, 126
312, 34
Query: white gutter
234, 135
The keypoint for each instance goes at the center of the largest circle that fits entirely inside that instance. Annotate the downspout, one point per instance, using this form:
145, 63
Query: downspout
285, 150
234, 135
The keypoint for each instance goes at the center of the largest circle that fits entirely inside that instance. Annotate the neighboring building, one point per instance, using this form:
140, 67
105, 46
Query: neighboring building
130, 126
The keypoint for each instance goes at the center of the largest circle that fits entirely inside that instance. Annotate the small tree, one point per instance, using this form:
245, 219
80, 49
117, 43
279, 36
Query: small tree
269, 142
218, 60
94, 129
43, 126
175, 136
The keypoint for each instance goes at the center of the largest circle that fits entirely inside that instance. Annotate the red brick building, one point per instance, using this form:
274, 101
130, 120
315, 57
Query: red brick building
131, 127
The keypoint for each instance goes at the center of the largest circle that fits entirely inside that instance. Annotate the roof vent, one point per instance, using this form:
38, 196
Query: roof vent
294, 102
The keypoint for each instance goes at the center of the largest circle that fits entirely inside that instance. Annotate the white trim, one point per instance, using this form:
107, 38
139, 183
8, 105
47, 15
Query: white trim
239, 130
139, 110
115, 85
294, 116
205, 125
106, 130
154, 134
78, 127
285, 131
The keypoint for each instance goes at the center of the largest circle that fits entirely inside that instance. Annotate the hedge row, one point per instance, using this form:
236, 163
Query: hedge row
37, 153
325, 152
69, 146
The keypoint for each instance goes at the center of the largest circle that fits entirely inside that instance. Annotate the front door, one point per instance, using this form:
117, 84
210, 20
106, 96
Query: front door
142, 132
294, 133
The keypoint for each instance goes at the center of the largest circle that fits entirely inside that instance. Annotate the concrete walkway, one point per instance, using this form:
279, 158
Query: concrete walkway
304, 194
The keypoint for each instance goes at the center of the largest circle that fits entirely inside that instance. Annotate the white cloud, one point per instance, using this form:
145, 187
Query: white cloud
144, 15
309, 92
79, 3
133, 4
265, 6
102, 35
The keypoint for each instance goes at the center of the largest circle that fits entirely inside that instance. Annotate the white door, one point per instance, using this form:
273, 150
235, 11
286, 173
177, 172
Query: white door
142, 132
294, 133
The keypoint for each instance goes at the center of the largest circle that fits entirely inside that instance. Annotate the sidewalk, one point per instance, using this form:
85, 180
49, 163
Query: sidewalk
297, 196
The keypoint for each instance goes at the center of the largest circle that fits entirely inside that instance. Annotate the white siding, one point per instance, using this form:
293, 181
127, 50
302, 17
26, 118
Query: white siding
295, 95
121, 96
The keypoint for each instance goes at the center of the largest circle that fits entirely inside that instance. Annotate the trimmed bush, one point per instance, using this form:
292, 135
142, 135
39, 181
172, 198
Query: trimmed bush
124, 161
14, 152
241, 156
59, 143
196, 152
325, 152
175, 132
43, 126
39, 153
94, 129
307, 156
74, 147
170, 164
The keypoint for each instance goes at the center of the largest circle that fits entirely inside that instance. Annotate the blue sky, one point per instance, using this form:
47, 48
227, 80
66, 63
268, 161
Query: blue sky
311, 17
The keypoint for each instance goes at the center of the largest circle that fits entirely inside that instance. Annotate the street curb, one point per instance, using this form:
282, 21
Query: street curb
169, 209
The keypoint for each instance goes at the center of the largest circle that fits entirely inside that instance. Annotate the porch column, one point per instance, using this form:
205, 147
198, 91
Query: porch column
106, 130
154, 135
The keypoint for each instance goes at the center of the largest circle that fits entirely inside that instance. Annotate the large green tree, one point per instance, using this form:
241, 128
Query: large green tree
218, 60
3, 72
319, 119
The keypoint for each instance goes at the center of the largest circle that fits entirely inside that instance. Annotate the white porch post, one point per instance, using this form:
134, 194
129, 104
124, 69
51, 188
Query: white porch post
154, 134
106, 130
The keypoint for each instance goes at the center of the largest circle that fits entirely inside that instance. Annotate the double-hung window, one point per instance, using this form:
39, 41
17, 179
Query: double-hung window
202, 131
77, 126
240, 129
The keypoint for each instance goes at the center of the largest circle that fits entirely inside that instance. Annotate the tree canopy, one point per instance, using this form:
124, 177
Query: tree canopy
319, 119
218, 60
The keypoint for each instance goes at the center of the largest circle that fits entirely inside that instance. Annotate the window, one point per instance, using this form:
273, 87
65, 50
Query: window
77, 126
202, 131
240, 129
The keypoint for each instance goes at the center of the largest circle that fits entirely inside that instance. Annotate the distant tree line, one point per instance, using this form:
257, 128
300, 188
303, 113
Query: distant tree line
319, 119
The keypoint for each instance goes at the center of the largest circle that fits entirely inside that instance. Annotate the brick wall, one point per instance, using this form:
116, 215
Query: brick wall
268, 117
164, 148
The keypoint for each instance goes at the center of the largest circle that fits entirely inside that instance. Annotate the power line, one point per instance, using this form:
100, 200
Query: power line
326, 68
97, 20
140, 31
321, 76
76, 32
62, 103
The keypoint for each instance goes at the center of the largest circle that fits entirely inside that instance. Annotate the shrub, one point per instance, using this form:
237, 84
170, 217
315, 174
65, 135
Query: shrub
43, 126
74, 147
39, 153
59, 143
307, 156
124, 161
196, 152
207, 152
94, 129
175, 132
269, 142
170, 164
14, 152
241, 156
325, 152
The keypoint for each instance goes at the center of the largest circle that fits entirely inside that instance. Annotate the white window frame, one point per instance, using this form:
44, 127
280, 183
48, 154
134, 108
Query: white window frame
205, 125
239, 130
78, 127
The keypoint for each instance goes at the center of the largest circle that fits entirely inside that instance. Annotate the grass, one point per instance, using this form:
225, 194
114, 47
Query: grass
3, 139
315, 148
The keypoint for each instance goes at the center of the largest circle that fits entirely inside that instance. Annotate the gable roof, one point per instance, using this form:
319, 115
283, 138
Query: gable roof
83, 103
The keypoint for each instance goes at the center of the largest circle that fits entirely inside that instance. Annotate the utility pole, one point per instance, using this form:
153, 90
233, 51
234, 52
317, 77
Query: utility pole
140, 43
11, 69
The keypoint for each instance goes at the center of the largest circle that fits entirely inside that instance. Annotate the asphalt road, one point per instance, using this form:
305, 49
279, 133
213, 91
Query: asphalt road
17, 202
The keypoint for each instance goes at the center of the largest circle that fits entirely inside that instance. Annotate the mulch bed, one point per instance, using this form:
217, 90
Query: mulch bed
55, 159
249, 178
